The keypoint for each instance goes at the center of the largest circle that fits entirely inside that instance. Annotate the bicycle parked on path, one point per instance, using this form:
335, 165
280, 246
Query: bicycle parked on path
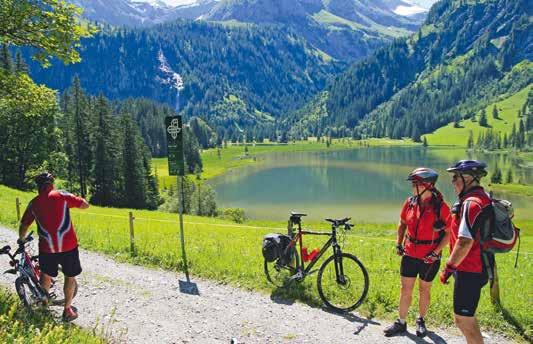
27, 284
342, 279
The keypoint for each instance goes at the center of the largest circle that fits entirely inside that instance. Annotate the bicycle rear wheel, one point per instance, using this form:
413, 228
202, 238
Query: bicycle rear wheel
346, 289
279, 274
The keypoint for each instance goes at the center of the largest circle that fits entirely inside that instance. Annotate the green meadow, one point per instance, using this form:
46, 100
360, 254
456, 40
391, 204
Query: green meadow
508, 115
228, 253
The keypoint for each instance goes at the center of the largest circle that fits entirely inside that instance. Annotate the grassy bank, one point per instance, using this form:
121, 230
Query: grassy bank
218, 161
508, 115
18, 326
230, 253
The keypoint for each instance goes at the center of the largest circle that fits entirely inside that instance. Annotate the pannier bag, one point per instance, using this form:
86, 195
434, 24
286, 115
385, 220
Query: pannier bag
274, 246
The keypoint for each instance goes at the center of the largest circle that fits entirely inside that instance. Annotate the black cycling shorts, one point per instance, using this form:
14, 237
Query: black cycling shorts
466, 292
69, 261
413, 267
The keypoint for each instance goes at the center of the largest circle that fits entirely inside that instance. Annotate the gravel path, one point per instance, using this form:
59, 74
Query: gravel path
134, 304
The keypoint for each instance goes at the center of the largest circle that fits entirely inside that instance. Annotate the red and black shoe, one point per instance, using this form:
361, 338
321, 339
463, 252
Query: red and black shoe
70, 314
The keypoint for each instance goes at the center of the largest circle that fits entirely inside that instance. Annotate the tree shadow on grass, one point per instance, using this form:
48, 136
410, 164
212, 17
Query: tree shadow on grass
514, 322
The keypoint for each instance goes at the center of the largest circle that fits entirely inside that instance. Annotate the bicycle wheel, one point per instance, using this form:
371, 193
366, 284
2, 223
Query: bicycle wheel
346, 292
279, 274
26, 292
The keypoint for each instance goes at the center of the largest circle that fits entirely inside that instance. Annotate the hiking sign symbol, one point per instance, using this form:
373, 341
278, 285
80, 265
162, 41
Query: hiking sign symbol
174, 128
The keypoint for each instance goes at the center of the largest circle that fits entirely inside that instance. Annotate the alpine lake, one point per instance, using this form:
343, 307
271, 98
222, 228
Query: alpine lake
367, 184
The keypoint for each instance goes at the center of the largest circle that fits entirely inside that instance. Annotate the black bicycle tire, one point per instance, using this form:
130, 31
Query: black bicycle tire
22, 291
267, 273
365, 277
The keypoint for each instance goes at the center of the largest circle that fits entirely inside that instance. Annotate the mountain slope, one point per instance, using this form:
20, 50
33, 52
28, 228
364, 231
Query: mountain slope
464, 55
345, 29
245, 75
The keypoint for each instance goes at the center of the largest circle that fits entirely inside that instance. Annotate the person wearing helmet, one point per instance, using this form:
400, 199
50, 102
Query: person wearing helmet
465, 263
422, 234
58, 244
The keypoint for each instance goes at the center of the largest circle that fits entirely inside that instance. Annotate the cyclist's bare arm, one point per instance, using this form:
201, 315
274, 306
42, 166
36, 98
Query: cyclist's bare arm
84, 205
23, 230
460, 250
402, 227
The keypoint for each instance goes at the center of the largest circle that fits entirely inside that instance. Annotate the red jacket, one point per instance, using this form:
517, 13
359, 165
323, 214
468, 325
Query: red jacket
419, 223
50, 209
466, 223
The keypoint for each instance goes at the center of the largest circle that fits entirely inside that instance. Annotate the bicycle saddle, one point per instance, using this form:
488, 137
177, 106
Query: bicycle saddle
339, 222
296, 214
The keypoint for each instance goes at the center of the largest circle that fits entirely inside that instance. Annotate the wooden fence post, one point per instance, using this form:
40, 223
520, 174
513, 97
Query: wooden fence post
17, 202
495, 288
132, 234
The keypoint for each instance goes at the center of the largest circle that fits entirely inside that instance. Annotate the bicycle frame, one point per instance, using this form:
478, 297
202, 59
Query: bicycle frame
297, 239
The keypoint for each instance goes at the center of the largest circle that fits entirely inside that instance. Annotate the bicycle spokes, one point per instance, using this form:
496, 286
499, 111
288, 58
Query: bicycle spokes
342, 282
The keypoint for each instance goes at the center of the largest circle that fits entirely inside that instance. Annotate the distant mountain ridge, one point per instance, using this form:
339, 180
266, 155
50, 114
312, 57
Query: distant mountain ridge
346, 30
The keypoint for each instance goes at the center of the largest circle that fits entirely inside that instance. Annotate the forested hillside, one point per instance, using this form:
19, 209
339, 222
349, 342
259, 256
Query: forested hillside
466, 54
241, 76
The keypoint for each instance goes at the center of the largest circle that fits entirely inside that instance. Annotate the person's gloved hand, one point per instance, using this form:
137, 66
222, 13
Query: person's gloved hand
447, 272
431, 257
21, 242
400, 250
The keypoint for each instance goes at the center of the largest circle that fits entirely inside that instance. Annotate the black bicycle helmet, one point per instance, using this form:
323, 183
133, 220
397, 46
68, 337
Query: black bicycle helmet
44, 178
423, 175
474, 168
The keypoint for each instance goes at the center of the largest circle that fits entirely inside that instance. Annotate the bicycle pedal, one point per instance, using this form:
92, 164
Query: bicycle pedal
297, 276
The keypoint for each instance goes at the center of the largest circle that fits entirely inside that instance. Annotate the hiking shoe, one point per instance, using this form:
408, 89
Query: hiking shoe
70, 314
395, 329
421, 329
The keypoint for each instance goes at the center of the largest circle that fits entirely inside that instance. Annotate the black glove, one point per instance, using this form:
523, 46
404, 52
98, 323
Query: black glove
21, 242
400, 250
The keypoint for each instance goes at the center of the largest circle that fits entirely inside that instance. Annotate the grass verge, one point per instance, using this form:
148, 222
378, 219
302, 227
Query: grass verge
19, 326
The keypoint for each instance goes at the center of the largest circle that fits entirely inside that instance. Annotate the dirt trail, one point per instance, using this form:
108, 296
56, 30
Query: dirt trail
140, 305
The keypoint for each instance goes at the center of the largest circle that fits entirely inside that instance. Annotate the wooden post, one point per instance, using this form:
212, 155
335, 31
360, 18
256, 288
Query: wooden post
495, 288
17, 202
132, 234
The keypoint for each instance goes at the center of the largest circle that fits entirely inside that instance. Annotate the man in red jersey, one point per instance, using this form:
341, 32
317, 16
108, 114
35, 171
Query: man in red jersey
58, 244
465, 261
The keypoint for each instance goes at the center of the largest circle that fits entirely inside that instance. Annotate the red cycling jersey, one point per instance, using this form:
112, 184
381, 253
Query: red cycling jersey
50, 209
420, 226
466, 223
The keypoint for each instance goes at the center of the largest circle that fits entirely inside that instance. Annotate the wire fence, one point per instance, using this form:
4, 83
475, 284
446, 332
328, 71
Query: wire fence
135, 240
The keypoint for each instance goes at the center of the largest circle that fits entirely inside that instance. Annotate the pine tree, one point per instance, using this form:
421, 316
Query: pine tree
6, 62
105, 185
470, 142
495, 113
20, 64
483, 118
133, 168
496, 175
509, 179
82, 135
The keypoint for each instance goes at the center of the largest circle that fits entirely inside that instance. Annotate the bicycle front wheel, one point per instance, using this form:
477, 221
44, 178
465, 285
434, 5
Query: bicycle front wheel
342, 282
26, 292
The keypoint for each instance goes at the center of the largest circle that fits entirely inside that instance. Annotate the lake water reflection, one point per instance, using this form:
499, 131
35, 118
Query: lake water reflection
367, 184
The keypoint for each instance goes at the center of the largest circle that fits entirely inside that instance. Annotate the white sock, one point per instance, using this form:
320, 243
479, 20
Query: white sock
402, 321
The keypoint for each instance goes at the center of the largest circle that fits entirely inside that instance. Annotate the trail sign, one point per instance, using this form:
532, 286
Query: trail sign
174, 130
